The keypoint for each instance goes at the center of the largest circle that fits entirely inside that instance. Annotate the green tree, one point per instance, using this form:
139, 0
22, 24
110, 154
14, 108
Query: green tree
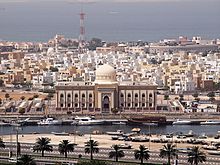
65, 147
22, 98
169, 150
1, 83
195, 95
36, 96
166, 97
7, 96
142, 153
91, 147
26, 160
196, 156
2, 144
42, 145
117, 153
54, 69
211, 94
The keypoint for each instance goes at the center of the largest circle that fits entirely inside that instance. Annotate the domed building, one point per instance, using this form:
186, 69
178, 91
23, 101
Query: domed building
105, 95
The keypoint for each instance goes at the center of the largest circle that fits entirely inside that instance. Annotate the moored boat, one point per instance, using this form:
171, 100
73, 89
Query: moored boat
60, 133
148, 120
181, 122
210, 123
49, 121
85, 121
118, 132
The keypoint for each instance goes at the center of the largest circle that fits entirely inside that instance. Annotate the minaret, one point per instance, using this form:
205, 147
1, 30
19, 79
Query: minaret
82, 30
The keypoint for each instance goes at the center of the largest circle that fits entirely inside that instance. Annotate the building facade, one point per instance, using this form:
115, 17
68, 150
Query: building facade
105, 95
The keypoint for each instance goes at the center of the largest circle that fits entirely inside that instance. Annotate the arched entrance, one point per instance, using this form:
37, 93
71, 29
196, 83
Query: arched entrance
105, 104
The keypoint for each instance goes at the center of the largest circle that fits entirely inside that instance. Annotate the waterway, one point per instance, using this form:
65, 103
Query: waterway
197, 129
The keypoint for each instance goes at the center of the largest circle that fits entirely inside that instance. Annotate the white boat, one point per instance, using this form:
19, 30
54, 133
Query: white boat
209, 147
210, 123
213, 152
87, 121
60, 133
118, 132
119, 123
181, 122
125, 146
49, 121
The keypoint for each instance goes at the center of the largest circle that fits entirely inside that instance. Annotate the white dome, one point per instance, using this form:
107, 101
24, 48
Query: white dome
106, 73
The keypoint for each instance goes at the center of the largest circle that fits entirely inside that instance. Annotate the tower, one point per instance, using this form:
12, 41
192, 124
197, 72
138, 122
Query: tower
82, 30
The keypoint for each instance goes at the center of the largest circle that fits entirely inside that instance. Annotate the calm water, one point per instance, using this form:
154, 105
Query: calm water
35, 20
209, 130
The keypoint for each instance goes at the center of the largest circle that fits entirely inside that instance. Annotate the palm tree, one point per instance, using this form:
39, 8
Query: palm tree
91, 147
117, 153
2, 144
65, 146
142, 153
196, 156
42, 144
168, 151
26, 160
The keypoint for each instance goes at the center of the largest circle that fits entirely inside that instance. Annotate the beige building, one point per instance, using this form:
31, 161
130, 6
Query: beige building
105, 94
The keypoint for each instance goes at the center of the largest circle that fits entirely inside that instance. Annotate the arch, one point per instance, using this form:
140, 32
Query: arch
61, 95
129, 95
106, 102
83, 95
76, 95
143, 94
122, 95
150, 95
69, 95
135, 95
90, 95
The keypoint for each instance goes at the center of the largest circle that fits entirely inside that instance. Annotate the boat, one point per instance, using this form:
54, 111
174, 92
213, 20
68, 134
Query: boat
18, 123
148, 120
125, 146
181, 122
4, 124
119, 123
136, 130
213, 152
49, 121
140, 139
209, 147
117, 133
60, 133
87, 121
210, 123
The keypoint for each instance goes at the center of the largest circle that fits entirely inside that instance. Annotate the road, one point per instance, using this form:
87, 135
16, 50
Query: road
103, 154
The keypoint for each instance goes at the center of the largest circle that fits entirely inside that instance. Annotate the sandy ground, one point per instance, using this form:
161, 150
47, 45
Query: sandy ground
16, 95
104, 141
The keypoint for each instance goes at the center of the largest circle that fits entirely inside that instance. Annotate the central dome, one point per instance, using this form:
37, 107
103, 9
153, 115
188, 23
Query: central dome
106, 73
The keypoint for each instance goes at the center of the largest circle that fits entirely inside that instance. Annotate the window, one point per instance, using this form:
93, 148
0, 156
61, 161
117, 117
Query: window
150, 104
76, 105
136, 95
76, 95
122, 95
129, 104
69, 105
143, 94
83, 104
90, 105
61, 105
61, 95
122, 105
129, 95
150, 95
136, 105
83, 95
143, 104
68, 95
90, 95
